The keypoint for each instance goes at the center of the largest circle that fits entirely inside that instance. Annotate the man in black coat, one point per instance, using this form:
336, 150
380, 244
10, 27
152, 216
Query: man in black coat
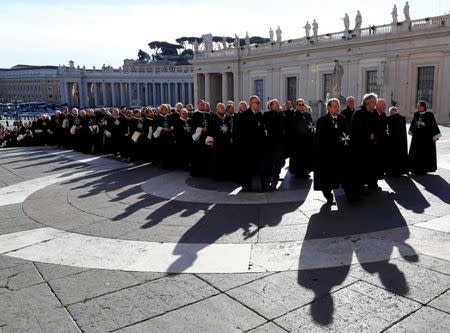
164, 138
182, 131
331, 151
349, 110
381, 136
363, 145
273, 155
219, 137
300, 138
251, 142
397, 144
201, 153
425, 132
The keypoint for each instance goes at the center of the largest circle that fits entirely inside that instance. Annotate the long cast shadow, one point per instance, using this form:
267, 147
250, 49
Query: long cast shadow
325, 263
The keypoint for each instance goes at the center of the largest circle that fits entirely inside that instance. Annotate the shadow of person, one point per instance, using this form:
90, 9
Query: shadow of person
436, 185
336, 238
414, 200
229, 223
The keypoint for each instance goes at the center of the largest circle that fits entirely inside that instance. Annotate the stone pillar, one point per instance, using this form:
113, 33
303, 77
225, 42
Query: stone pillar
161, 95
146, 94
183, 93
123, 100
83, 93
237, 97
138, 90
154, 94
130, 93
113, 94
224, 87
191, 91
208, 87
169, 92
96, 94
105, 95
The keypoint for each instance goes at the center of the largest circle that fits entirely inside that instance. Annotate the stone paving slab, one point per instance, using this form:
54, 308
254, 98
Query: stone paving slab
224, 282
442, 302
131, 305
268, 328
19, 276
86, 285
425, 320
277, 294
34, 309
360, 307
403, 278
216, 314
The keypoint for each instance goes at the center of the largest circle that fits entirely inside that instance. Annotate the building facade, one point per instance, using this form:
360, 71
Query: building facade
134, 84
402, 62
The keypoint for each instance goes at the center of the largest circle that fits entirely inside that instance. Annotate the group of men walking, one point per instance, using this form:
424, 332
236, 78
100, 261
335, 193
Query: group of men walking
352, 149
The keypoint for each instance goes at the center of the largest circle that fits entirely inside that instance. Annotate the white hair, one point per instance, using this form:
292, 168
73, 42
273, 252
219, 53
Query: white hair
369, 97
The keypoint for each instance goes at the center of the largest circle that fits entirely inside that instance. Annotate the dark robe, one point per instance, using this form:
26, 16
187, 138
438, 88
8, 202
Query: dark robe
165, 142
75, 132
363, 148
219, 128
348, 114
422, 153
380, 133
101, 142
331, 151
124, 123
251, 144
149, 140
397, 146
300, 138
55, 130
273, 154
136, 126
116, 141
183, 130
201, 153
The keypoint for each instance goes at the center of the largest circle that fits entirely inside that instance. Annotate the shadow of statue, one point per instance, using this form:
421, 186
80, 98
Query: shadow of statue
337, 238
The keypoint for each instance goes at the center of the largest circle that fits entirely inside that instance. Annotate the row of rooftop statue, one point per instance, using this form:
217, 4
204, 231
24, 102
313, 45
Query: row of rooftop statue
349, 148
208, 41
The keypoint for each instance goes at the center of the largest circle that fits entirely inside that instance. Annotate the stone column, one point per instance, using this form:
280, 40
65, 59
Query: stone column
122, 94
169, 92
183, 93
224, 87
236, 96
191, 89
105, 95
96, 94
138, 90
208, 87
83, 94
113, 92
146, 94
130, 93
154, 94
161, 95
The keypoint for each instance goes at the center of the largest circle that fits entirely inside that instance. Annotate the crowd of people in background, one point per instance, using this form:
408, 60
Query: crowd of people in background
352, 148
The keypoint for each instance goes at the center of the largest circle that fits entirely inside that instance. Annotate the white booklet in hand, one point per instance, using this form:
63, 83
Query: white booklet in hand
136, 135
107, 133
157, 132
73, 129
150, 133
198, 132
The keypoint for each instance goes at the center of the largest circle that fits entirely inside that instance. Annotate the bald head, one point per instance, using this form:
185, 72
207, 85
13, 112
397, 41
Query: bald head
381, 105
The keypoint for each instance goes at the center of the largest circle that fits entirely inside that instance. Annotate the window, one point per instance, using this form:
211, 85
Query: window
371, 82
326, 85
259, 90
292, 89
425, 85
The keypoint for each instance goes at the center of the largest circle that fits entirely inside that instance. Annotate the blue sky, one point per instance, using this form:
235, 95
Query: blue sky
96, 32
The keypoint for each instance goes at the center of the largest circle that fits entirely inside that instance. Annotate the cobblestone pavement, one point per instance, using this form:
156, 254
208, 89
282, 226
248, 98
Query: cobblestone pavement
92, 244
